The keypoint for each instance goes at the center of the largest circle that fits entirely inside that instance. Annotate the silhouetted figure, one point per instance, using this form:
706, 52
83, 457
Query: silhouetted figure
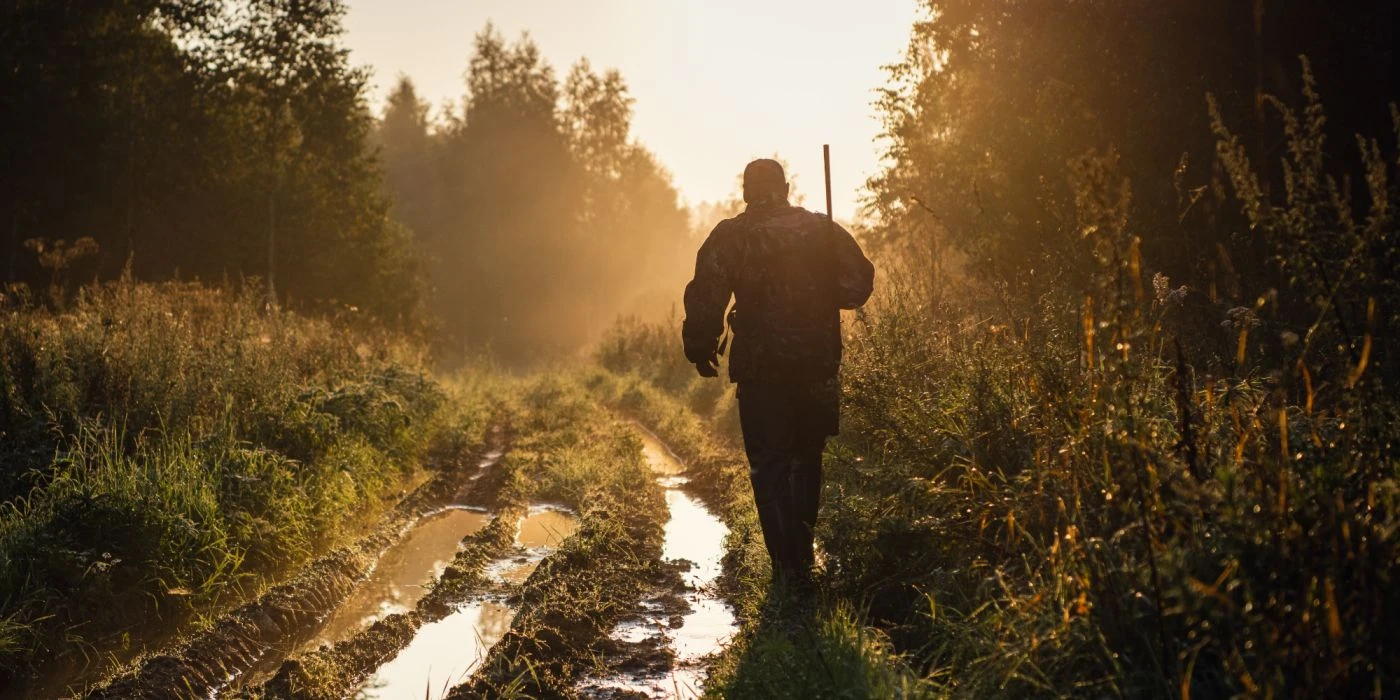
790, 272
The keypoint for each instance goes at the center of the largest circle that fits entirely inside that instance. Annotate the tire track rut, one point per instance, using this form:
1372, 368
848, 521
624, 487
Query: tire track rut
277, 620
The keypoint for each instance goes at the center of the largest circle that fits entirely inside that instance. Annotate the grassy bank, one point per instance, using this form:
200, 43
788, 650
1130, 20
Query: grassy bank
1127, 485
1020, 522
1036, 512
169, 449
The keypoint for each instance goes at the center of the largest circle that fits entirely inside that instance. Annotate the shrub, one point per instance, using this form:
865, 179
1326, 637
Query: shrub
167, 447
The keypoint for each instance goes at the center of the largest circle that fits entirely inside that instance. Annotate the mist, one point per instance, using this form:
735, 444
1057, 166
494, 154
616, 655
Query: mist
541, 217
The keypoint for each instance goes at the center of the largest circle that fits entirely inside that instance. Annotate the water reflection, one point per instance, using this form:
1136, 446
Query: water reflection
442, 654
546, 527
515, 571
400, 577
694, 535
658, 456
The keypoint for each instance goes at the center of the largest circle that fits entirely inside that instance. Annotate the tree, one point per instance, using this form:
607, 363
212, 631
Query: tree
177, 132
542, 216
404, 136
83, 83
995, 98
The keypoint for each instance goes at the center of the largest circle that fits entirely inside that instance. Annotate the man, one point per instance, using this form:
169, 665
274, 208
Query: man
790, 272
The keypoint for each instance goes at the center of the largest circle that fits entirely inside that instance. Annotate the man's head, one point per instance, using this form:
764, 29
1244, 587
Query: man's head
764, 182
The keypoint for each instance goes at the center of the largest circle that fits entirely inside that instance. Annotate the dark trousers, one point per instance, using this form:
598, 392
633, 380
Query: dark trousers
784, 434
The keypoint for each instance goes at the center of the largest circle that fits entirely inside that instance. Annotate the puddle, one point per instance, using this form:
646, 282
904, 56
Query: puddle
442, 654
546, 527
400, 578
658, 456
541, 531
692, 535
514, 571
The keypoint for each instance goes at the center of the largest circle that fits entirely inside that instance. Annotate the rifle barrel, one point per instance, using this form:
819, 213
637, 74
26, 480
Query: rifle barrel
826, 166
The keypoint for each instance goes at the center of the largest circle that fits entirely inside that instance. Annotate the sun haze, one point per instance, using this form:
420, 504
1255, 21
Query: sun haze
716, 83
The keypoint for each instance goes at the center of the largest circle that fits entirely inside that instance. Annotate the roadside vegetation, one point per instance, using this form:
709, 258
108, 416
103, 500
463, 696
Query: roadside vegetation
564, 449
1129, 488
1120, 420
170, 449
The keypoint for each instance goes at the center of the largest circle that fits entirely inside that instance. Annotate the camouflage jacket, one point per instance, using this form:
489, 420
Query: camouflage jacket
790, 272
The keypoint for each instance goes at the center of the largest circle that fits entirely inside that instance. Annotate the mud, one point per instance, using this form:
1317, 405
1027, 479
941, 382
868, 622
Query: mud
403, 573
335, 671
455, 621
570, 603
444, 652
285, 615
659, 650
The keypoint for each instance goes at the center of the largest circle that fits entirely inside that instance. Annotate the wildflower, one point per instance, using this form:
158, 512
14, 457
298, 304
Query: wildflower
1240, 318
1166, 296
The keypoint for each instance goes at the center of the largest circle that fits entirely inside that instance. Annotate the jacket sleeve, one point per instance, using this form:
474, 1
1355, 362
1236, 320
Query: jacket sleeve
706, 298
855, 275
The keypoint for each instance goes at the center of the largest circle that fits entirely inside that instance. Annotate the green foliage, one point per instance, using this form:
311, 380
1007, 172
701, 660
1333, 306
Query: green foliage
995, 98
1061, 505
168, 448
649, 350
1337, 253
199, 138
1127, 489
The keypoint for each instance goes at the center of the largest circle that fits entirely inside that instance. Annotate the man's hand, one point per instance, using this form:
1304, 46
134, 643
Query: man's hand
709, 366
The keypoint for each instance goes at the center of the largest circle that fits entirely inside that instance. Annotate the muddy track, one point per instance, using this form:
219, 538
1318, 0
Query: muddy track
282, 616
717, 473
561, 618
629, 609
478, 574
637, 651
627, 606
661, 647
337, 671
570, 603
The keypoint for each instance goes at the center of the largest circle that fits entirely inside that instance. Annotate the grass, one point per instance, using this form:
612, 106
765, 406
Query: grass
1002, 538
170, 449
1128, 489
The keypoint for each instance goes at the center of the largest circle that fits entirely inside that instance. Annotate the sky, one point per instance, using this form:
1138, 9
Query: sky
717, 83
